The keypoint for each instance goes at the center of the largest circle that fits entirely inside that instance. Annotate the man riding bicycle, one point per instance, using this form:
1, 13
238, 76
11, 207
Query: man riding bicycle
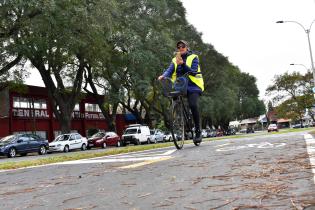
187, 61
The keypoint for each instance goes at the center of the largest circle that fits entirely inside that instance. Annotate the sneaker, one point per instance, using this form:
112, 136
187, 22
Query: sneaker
198, 137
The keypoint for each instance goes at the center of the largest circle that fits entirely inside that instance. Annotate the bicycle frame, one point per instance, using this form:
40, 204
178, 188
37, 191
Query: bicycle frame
187, 116
181, 118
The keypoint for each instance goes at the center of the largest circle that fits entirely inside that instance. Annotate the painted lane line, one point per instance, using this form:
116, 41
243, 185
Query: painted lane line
112, 160
120, 159
169, 152
109, 157
222, 145
144, 163
261, 145
310, 146
135, 153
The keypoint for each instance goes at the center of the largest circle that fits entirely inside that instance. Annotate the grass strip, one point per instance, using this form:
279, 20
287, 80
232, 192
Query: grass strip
121, 150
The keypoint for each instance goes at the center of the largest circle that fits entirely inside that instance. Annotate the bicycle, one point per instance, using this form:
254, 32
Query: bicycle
181, 117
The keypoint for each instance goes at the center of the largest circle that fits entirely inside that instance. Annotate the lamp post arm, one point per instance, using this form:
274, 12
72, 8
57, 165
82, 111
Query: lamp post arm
307, 31
299, 64
290, 21
311, 25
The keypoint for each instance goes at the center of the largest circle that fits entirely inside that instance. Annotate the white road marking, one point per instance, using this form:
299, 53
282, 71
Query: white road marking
222, 145
111, 160
144, 154
310, 146
262, 145
123, 158
127, 157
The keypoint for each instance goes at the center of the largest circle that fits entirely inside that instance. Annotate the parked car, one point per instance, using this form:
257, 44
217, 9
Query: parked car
22, 144
189, 135
273, 127
250, 130
243, 130
219, 132
230, 131
204, 133
136, 134
298, 126
168, 136
67, 142
104, 139
156, 135
211, 133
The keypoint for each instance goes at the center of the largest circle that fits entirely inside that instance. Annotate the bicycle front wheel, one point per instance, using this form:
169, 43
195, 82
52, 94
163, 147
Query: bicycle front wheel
178, 125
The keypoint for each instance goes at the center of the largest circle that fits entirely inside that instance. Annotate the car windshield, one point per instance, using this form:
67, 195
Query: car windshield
7, 139
63, 137
152, 132
98, 135
131, 131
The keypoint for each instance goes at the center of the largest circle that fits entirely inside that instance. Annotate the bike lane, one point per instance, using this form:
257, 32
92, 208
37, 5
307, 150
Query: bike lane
270, 172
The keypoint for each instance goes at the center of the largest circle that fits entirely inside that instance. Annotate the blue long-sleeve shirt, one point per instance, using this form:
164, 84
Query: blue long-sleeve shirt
182, 69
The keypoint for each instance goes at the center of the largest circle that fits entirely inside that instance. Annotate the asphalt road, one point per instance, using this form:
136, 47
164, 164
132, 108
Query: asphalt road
254, 172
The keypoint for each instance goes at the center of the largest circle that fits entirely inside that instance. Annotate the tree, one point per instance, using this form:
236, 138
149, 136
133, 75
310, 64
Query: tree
270, 106
294, 94
76, 44
57, 37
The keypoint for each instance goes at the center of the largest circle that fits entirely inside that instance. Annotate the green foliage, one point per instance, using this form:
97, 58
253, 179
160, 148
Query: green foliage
293, 93
117, 49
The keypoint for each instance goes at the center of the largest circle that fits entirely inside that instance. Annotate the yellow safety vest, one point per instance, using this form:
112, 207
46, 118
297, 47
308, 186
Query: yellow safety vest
197, 79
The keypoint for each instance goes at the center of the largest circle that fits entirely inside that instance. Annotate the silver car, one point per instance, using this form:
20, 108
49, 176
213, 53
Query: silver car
156, 135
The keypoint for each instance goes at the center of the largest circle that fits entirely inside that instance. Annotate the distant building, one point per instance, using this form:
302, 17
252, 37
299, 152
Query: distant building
272, 117
32, 112
250, 122
284, 123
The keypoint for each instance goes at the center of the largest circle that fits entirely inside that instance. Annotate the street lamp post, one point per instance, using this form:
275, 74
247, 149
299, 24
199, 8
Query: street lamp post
298, 64
307, 31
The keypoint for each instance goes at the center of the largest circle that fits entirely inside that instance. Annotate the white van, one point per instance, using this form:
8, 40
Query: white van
136, 134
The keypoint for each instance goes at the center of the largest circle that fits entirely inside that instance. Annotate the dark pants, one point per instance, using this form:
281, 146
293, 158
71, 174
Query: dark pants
193, 99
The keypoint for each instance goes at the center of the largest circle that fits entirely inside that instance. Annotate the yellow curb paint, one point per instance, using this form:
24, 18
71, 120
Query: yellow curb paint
144, 163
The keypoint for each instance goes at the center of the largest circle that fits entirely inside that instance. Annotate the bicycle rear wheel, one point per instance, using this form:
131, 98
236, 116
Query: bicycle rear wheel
178, 125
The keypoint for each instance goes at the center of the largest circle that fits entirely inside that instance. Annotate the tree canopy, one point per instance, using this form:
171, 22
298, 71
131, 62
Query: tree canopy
117, 49
293, 94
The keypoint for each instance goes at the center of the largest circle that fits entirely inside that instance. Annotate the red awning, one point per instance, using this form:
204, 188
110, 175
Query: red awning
282, 120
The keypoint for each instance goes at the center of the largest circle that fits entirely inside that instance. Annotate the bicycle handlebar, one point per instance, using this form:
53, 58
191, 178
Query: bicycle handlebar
186, 74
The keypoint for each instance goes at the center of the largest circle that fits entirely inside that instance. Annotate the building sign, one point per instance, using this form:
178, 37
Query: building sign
94, 116
88, 115
30, 113
77, 115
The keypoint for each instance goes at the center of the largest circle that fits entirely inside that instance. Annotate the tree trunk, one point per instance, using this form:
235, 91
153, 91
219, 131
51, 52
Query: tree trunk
65, 124
59, 95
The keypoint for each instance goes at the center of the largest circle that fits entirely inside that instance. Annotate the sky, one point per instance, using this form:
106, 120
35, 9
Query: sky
246, 32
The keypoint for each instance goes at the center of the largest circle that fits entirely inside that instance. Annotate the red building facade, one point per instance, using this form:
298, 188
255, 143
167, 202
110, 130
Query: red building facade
31, 111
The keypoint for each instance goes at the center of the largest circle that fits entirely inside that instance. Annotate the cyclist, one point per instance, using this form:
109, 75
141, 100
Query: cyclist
187, 61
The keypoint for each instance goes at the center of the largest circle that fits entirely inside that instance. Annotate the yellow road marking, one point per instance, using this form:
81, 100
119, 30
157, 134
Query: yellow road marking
145, 163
